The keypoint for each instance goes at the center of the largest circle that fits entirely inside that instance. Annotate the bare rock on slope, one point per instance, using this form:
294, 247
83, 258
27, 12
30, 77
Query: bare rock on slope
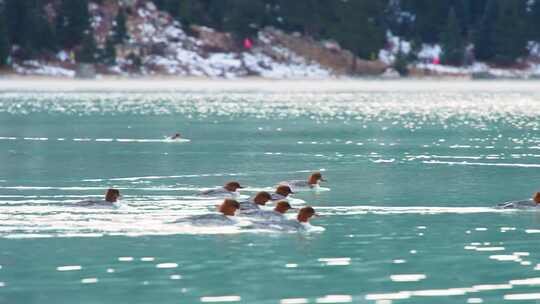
330, 56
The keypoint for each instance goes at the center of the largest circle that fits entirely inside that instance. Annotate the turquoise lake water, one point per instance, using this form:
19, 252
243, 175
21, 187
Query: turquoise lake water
413, 175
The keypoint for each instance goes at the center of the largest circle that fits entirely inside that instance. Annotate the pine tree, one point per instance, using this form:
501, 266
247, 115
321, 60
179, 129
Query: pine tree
170, 6
72, 22
243, 17
14, 13
4, 39
110, 52
194, 12
400, 63
359, 27
452, 42
120, 34
510, 39
428, 15
485, 33
35, 34
534, 21
87, 53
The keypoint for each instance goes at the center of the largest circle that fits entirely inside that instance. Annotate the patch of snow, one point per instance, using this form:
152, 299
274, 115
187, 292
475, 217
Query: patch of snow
534, 48
166, 48
185, 55
267, 67
394, 45
173, 32
429, 52
33, 67
62, 56
151, 6
442, 69
390, 73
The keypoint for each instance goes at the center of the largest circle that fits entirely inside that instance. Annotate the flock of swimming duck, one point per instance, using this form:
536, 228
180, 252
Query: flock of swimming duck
232, 209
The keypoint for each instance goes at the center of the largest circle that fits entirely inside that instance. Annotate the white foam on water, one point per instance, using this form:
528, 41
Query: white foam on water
352, 210
522, 296
487, 287
221, 299
51, 188
157, 177
401, 295
151, 140
334, 299
379, 161
125, 259
294, 301
335, 261
465, 163
291, 265
69, 268
89, 280
528, 281
504, 257
147, 259
179, 140
407, 277
166, 265
440, 292
490, 249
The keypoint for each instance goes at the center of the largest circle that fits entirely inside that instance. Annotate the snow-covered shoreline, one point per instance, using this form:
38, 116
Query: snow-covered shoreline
258, 84
160, 46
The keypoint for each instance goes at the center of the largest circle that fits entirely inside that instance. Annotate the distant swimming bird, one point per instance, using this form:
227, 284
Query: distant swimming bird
282, 207
305, 214
282, 192
227, 211
254, 203
269, 215
111, 197
280, 223
312, 182
229, 190
175, 136
525, 204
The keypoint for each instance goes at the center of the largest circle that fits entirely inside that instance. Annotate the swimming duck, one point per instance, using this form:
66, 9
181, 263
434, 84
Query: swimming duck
111, 198
225, 216
312, 182
282, 192
525, 204
254, 203
175, 136
280, 223
277, 214
229, 190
